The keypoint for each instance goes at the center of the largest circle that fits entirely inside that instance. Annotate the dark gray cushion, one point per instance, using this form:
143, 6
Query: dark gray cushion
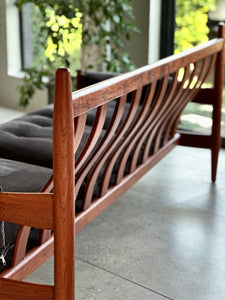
31, 144
26, 129
36, 119
22, 177
33, 150
92, 77
29, 138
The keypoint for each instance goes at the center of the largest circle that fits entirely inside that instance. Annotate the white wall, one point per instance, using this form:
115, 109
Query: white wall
154, 30
144, 48
9, 97
137, 46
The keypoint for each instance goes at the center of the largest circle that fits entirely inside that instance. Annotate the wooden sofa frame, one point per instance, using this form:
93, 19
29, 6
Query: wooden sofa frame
155, 124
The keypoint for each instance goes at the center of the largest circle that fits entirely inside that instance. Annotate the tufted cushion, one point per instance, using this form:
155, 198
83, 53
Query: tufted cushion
26, 129
29, 138
32, 179
36, 119
33, 150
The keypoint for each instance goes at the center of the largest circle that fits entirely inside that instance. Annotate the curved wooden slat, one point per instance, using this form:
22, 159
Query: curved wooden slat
47, 188
203, 76
103, 92
126, 147
79, 126
162, 100
164, 130
150, 134
182, 93
100, 204
116, 141
45, 233
144, 120
31, 209
20, 245
94, 135
116, 118
100, 150
17, 290
160, 115
187, 95
32, 260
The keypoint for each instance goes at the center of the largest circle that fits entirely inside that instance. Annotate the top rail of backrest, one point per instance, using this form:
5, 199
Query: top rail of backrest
102, 92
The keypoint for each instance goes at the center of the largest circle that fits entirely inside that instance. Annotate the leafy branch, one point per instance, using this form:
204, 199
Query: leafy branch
105, 24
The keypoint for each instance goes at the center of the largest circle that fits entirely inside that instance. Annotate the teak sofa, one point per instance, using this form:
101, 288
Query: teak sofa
118, 129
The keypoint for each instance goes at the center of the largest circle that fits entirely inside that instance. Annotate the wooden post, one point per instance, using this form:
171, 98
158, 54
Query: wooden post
64, 205
218, 89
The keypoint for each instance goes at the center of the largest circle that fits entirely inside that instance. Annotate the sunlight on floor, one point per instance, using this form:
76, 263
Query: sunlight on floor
200, 121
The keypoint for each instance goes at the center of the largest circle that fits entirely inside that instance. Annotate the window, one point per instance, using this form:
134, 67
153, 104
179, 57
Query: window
37, 48
195, 116
193, 18
13, 38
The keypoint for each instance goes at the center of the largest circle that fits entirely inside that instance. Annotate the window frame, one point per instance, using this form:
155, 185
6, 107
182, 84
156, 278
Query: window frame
168, 15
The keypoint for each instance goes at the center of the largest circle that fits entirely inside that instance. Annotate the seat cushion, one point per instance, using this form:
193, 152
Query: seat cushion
33, 150
29, 138
17, 176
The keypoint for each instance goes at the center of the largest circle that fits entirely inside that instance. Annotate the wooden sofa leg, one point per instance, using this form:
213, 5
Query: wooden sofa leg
214, 162
216, 139
218, 88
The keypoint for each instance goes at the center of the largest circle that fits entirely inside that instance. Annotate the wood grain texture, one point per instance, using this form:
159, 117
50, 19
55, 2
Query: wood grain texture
32, 260
101, 93
15, 290
64, 193
20, 245
218, 92
31, 209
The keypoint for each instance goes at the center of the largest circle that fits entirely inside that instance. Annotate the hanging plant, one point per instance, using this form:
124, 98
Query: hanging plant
99, 24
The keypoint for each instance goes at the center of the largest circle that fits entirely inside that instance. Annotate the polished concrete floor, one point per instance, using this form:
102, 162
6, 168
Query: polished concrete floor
163, 239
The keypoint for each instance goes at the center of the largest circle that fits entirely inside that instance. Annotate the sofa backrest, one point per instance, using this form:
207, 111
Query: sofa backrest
136, 132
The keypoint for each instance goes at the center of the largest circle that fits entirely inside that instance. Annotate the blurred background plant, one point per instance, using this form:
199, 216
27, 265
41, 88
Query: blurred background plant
191, 23
192, 28
64, 33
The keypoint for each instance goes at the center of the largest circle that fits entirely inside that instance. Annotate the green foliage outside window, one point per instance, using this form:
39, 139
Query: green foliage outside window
59, 26
191, 23
44, 46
